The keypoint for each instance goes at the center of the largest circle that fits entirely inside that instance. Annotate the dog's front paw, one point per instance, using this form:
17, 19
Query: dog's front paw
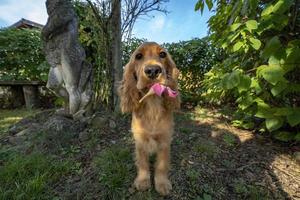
163, 186
142, 184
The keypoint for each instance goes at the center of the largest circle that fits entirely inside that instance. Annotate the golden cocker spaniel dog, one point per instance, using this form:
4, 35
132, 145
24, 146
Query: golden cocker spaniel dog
152, 116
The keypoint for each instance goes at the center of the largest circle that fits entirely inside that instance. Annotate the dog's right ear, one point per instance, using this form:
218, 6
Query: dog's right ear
128, 92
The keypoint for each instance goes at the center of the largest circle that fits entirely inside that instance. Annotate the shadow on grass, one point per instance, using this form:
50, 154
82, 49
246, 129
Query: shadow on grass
213, 160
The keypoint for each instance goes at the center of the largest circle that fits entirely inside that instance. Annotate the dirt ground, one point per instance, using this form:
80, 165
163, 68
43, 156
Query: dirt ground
210, 159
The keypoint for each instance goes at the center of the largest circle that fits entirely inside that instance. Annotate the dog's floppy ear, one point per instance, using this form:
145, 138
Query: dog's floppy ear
170, 103
128, 92
173, 71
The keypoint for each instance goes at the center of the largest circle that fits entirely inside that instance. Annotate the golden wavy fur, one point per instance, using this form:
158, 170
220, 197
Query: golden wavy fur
152, 119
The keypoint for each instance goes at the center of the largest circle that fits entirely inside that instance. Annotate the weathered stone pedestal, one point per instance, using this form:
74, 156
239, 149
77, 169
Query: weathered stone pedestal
24, 92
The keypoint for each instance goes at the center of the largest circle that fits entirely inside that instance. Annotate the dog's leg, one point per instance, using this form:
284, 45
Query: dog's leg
142, 181
162, 183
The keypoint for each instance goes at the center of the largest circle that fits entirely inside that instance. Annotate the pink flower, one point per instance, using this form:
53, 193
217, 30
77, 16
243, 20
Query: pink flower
159, 89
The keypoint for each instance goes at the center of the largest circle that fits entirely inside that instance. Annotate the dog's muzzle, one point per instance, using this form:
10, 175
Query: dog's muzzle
152, 71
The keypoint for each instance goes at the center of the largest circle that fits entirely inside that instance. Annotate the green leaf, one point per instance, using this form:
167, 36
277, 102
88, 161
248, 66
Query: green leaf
271, 47
273, 124
231, 80
255, 43
292, 55
245, 101
273, 74
268, 10
237, 46
278, 88
260, 70
255, 85
235, 26
245, 82
263, 110
282, 6
251, 24
209, 4
284, 136
273, 60
283, 111
294, 118
199, 6
297, 137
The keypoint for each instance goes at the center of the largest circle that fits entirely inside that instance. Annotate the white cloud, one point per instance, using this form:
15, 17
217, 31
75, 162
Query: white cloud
152, 29
158, 23
13, 10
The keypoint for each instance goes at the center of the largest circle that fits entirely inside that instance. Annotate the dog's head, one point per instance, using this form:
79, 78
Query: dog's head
149, 64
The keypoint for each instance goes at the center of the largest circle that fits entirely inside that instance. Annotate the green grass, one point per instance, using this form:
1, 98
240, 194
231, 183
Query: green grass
207, 148
115, 167
185, 130
29, 176
229, 139
247, 191
10, 117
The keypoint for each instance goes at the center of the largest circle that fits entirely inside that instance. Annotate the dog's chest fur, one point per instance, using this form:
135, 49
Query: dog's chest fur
152, 124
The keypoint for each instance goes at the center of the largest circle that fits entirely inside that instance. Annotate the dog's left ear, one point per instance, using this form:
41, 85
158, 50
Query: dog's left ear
174, 72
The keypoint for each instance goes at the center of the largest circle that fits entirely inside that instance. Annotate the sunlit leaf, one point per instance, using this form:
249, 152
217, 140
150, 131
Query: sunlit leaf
278, 88
268, 10
235, 26
273, 74
251, 24
273, 124
255, 43
237, 46
281, 6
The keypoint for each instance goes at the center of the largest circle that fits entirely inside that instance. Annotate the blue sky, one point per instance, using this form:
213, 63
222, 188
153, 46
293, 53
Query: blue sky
182, 23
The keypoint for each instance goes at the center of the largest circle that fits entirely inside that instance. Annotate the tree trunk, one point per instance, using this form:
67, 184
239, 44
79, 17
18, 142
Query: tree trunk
116, 53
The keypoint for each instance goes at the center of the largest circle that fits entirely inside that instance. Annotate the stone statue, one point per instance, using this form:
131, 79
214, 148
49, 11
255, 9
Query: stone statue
70, 76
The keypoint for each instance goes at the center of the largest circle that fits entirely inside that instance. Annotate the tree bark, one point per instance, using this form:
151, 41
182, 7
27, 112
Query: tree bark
116, 53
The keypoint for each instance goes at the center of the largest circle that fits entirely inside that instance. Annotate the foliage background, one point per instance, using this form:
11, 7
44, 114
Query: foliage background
250, 61
21, 56
260, 74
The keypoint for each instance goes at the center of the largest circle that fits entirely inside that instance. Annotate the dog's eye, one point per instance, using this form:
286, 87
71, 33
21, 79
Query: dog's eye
139, 56
162, 54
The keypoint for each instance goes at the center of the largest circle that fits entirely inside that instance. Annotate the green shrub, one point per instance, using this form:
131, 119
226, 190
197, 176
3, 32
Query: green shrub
21, 56
260, 74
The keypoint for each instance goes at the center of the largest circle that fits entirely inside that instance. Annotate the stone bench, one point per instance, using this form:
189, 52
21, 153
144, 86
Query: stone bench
24, 92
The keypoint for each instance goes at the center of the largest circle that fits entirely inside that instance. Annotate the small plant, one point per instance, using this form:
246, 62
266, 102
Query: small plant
192, 174
229, 139
240, 186
185, 130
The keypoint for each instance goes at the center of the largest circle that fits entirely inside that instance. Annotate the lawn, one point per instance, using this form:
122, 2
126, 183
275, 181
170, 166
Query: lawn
210, 160
10, 117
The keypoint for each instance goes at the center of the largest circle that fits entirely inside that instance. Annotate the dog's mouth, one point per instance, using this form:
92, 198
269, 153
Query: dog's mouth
144, 83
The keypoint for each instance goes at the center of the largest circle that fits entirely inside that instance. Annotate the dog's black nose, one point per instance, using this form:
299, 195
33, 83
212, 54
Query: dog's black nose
152, 71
